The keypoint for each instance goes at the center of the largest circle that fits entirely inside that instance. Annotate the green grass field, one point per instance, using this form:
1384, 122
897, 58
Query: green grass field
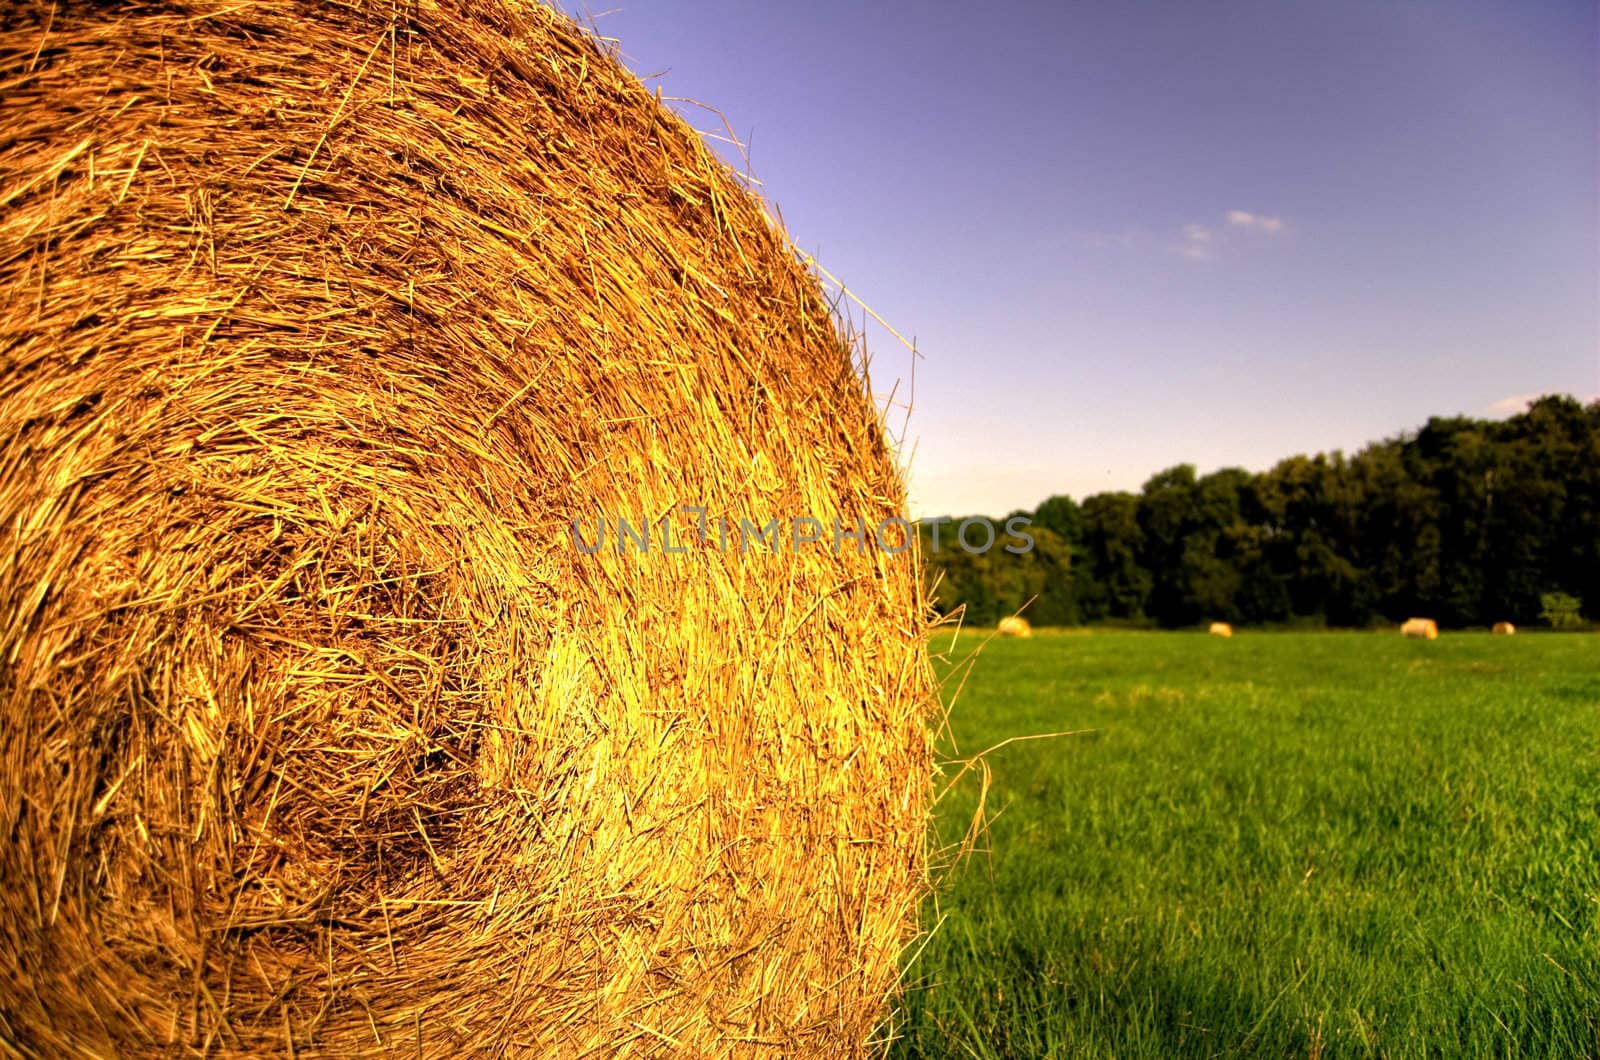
1286, 844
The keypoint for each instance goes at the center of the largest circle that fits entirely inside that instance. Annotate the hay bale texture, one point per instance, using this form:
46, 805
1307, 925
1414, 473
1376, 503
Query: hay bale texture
319, 324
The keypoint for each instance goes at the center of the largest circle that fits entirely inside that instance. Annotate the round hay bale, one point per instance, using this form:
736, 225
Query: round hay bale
1420, 628
1504, 629
1220, 629
320, 325
1014, 626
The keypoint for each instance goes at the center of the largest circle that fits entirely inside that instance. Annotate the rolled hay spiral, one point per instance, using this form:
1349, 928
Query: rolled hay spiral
320, 324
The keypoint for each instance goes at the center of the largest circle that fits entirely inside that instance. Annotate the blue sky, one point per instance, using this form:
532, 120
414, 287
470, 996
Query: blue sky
1132, 234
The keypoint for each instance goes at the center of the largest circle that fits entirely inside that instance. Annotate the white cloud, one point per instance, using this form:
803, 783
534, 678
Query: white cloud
1510, 406
1518, 403
1258, 222
1196, 243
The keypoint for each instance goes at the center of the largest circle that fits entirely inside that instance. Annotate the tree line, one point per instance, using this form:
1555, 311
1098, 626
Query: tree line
1467, 521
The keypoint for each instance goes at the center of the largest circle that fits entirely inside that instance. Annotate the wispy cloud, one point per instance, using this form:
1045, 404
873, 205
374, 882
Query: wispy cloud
1195, 244
1202, 242
1510, 406
1195, 241
1517, 403
1256, 221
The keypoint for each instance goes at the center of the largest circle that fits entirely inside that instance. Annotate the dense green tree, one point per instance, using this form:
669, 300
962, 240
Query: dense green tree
1166, 515
1113, 584
992, 582
1468, 521
1062, 516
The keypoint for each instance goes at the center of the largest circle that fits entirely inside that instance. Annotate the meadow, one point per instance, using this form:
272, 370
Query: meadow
1284, 844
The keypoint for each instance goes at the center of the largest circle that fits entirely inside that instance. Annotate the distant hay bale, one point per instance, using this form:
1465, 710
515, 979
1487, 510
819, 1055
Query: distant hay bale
1014, 626
1422, 628
1504, 629
1221, 629
320, 323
